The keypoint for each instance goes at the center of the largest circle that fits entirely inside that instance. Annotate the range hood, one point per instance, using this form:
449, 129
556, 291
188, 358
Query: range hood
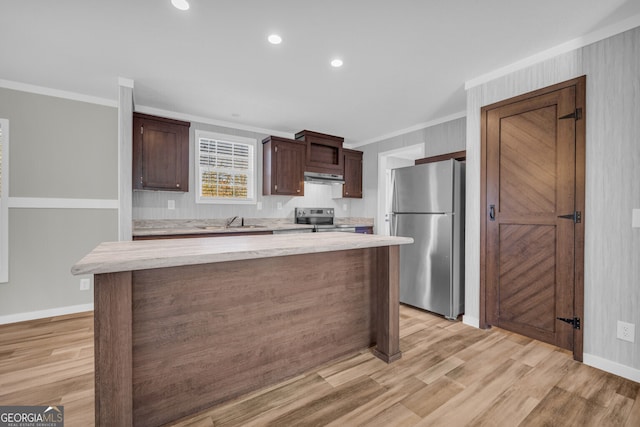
323, 178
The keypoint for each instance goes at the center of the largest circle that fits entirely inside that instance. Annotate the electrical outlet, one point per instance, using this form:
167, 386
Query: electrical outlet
344, 207
626, 331
171, 205
279, 205
85, 284
259, 206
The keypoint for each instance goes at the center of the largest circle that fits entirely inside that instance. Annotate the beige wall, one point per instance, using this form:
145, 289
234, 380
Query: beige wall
60, 149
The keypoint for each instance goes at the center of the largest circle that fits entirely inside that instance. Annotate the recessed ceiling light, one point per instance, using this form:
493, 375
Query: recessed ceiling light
336, 63
274, 39
180, 4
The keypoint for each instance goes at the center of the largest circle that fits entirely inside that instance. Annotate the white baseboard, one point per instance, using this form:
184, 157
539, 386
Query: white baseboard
41, 314
471, 321
615, 368
624, 371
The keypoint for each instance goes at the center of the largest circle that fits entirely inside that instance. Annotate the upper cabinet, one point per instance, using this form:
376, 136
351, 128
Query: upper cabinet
160, 153
324, 152
286, 160
352, 187
283, 167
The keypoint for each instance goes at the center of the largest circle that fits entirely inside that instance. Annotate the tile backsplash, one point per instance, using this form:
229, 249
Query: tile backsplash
154, 205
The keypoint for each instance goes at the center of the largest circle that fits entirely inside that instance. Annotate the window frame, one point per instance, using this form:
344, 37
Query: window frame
4, 202
252, 182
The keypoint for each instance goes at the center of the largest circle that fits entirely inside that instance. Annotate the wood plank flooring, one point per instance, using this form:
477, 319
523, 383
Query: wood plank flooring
450, 375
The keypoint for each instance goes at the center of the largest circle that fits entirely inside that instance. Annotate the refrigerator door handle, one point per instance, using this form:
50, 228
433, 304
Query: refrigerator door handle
393, 191
393, 230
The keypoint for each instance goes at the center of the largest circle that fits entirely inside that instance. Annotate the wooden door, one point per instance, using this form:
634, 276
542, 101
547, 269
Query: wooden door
534, 190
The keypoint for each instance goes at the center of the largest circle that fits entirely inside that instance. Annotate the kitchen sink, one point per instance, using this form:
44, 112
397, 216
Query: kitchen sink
231, 227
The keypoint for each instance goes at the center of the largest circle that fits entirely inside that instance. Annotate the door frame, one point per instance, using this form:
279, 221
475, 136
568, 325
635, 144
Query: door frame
580, 135
409, 153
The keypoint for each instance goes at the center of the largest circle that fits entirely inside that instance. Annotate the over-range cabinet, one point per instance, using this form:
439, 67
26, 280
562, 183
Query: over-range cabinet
312, 157
428, 205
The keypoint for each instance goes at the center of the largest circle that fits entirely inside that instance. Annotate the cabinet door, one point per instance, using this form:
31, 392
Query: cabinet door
288, 170
161, 154
352, 174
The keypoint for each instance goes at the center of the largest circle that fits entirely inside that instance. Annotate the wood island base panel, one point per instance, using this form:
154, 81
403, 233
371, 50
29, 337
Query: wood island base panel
173, 341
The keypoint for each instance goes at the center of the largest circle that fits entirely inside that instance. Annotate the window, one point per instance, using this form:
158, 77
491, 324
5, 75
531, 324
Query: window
4, 200
225, 168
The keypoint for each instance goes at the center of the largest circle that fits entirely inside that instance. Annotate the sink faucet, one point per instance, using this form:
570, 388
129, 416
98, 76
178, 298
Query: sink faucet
231, 220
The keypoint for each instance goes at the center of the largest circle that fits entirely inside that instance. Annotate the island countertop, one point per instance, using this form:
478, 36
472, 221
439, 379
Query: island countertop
110, 257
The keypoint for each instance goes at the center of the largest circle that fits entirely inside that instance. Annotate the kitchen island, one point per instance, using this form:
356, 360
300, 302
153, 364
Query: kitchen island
183, 324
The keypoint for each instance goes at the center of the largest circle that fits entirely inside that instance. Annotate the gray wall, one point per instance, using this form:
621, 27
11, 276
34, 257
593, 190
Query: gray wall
59, 149
439, 139
153, 204
612, 247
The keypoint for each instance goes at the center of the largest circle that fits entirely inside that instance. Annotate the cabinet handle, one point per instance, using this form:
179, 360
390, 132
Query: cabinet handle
178, 185
297, 191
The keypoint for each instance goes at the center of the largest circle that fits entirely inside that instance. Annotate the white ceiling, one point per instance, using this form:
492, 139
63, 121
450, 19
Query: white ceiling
405, 61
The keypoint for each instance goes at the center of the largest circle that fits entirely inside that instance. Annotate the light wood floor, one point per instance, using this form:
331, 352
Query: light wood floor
450, 375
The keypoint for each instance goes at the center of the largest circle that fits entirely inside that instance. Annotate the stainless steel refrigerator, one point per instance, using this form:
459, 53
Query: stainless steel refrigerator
428, 205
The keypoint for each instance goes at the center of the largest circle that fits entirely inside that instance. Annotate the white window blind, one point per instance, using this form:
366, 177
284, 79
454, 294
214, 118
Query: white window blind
4, 200
226, 170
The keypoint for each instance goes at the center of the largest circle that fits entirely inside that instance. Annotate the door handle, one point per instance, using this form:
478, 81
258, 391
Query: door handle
492, 212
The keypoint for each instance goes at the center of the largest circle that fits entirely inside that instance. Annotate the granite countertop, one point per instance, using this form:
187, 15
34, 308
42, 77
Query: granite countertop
215, 226
110, 257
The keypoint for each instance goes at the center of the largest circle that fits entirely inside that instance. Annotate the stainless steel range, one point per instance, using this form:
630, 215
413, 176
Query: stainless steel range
322, 219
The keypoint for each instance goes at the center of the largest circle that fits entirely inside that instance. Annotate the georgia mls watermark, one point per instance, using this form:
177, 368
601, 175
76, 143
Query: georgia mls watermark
31, 416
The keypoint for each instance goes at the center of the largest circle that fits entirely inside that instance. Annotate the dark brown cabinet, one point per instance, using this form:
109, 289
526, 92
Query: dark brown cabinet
283, 167
160, 153
323, 152
352, 187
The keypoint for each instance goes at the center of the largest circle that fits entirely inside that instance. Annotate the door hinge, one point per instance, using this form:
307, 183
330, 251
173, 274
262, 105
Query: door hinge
576, 217
141, 130
276, 149
275, 187
577, 115
575, 322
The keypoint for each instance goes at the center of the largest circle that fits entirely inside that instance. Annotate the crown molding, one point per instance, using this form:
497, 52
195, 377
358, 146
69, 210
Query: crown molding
191, 118
41, 90
413, 128
577, 43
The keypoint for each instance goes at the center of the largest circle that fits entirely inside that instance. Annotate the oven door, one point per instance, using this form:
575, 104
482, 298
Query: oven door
335, 228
